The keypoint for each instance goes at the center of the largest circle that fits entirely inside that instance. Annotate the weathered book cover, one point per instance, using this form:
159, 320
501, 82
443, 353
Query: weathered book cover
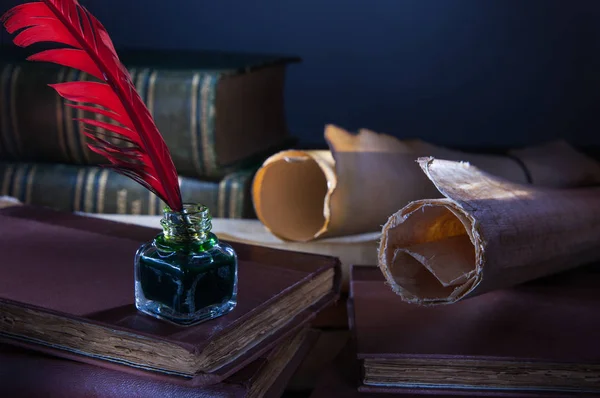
530, 340
92, 189
61, 378
67, 289
342, 380
216, 111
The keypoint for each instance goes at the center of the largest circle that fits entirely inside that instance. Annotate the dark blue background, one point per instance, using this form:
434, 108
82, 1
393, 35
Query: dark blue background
468, 73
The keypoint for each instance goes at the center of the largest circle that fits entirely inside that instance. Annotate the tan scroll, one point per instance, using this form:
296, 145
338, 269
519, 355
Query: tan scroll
365, 177
485, 234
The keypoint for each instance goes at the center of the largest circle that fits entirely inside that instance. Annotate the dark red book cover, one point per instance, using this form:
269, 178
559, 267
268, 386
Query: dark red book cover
81, 269
342, 380
27, 374
546, 322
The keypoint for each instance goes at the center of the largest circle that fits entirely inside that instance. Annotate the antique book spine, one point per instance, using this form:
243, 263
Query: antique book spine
36, 125
99, 190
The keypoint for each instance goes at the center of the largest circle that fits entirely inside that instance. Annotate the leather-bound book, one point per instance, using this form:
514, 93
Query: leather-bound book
67, 289
100, 190
536, 339
341, 379
62, 378
218, 111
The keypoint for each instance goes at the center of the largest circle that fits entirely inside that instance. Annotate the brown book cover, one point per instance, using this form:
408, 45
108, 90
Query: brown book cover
67, 289
529, 340
62, 378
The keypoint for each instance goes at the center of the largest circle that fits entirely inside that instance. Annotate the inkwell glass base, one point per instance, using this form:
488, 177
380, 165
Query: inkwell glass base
185, 275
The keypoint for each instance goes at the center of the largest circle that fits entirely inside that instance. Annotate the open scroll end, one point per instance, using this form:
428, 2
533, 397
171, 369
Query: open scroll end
289, 195
427, 255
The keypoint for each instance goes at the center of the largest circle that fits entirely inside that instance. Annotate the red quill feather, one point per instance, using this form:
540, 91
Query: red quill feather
90, 49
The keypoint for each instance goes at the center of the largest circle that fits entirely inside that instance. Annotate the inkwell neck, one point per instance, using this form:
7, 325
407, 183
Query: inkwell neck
191, 225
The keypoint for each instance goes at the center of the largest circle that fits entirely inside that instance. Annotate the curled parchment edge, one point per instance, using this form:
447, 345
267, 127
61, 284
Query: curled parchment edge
487, 233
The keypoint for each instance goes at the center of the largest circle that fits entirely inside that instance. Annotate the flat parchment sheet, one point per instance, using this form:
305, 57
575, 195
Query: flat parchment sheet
365, 177
485, 233
356, 249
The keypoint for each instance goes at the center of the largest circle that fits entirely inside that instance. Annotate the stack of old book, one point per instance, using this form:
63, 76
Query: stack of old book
69, 327
221, 115
538, 339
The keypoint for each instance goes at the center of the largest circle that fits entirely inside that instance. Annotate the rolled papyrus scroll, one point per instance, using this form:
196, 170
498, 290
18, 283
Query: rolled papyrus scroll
485, 234
354, 187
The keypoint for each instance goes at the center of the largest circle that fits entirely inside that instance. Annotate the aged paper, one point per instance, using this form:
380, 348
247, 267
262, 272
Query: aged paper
365, 177
356, 249
485, 233
8, 201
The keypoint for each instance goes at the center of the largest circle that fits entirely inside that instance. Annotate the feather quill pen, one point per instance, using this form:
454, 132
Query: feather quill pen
147, 159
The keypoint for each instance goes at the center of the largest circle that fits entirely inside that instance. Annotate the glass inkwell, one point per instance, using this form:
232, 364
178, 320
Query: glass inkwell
185, 275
